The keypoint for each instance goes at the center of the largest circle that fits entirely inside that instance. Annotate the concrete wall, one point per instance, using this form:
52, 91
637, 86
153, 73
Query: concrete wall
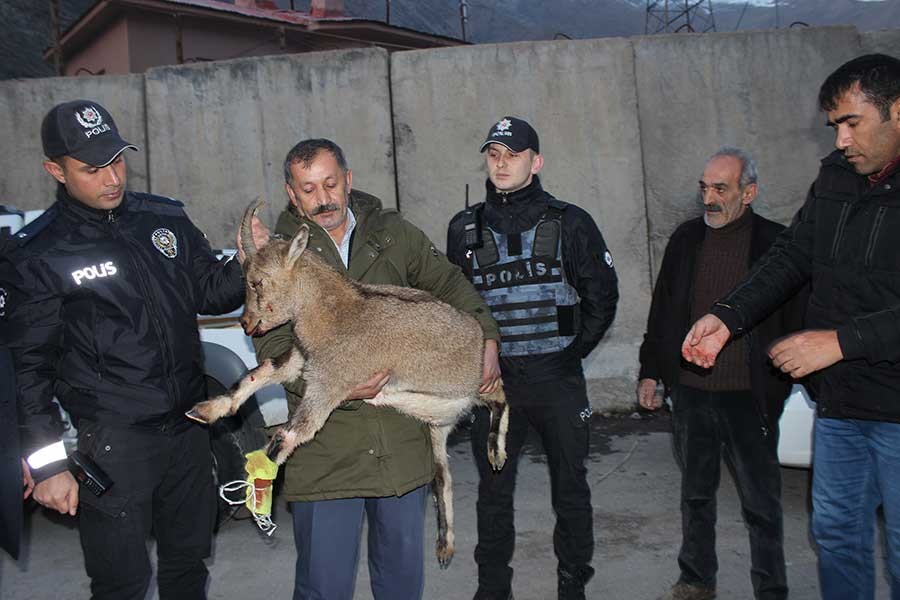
625, 124
219, 132
753, 90
886, 41
23, 103
580, 97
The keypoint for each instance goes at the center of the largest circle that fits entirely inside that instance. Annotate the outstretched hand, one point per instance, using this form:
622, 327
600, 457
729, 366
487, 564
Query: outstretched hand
704, 341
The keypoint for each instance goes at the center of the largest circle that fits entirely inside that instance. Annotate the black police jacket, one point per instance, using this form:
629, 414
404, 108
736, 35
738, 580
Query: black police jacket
100, 310
670, 318
10, 460
586, 260
844, 241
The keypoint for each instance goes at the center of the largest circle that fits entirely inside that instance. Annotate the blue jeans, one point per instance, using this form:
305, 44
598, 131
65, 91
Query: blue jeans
327, 535
856, 468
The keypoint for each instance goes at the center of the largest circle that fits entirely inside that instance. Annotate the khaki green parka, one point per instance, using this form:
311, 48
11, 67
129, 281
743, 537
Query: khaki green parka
364, 451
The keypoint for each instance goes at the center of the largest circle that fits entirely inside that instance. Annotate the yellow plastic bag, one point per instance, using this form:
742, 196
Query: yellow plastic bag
258, 497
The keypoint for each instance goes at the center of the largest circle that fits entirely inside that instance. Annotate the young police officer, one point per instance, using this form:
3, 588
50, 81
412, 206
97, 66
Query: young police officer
543, 268
101, 296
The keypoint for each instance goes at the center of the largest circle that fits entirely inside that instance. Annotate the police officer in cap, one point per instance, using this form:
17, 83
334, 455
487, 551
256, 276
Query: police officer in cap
101, 297
542, 266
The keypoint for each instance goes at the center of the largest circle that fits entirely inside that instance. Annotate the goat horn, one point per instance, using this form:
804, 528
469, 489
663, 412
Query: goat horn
247, 243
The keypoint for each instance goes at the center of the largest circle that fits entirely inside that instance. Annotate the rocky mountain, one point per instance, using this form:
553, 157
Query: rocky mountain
25, 34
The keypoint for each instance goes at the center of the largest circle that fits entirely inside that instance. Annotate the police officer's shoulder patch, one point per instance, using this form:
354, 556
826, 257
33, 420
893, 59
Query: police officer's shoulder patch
31, 231
608, 258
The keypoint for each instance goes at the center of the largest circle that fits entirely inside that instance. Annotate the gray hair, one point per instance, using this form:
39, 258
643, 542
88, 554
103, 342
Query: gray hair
749, 174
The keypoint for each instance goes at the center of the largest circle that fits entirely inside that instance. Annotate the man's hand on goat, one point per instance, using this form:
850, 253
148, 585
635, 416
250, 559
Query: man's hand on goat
490, 371
370, 389
261, 236
59, 492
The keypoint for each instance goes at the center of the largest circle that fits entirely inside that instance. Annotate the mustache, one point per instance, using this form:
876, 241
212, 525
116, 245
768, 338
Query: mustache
712, 208
324, 208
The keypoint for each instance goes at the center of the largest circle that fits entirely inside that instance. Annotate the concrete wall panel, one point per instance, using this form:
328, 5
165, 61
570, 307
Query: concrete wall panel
580, 97
23, 103
753, 90
886, 41
219, 131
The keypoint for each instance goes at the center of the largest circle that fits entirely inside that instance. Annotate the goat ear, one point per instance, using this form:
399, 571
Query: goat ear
298, 244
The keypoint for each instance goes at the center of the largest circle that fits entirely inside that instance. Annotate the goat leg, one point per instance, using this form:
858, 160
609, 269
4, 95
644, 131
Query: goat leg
307, 418
442, 488
496, 449
280, 369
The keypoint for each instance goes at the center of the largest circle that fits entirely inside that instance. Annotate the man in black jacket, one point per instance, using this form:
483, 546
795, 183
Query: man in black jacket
101, 294
12, 468
734, 407
544, 269
843, 241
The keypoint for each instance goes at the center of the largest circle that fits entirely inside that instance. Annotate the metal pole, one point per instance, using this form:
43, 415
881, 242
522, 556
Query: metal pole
387, 7
54, 30
463, 16
179, 41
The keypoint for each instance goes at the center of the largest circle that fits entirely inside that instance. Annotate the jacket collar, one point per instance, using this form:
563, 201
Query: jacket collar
84, 212
515, 212
365, 245
531, 192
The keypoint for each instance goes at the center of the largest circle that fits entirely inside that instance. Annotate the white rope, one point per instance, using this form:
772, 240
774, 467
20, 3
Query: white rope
264, 522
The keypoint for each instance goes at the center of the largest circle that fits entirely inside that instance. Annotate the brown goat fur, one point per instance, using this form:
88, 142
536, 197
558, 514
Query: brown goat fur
344, 332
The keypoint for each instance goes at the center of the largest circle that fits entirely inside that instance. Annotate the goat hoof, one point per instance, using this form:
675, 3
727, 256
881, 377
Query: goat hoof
194, 415
273, 448
497, 459
444, 555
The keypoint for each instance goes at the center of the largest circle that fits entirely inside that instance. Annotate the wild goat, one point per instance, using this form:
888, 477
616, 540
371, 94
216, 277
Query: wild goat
344, 332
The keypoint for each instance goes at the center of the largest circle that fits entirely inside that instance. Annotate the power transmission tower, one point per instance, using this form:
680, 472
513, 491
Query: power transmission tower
668, 16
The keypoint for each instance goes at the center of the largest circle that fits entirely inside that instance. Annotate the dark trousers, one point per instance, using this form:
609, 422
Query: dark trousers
559, 412
327, 535
162, 483
705, 424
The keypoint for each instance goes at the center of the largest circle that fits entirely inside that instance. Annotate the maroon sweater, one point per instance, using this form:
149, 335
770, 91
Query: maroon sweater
722, 262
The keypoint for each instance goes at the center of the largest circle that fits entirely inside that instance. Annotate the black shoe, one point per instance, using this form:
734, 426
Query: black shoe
483, 594
570, 586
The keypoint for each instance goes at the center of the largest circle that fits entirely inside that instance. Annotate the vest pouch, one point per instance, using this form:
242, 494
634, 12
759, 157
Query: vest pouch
546, 239
488, 254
